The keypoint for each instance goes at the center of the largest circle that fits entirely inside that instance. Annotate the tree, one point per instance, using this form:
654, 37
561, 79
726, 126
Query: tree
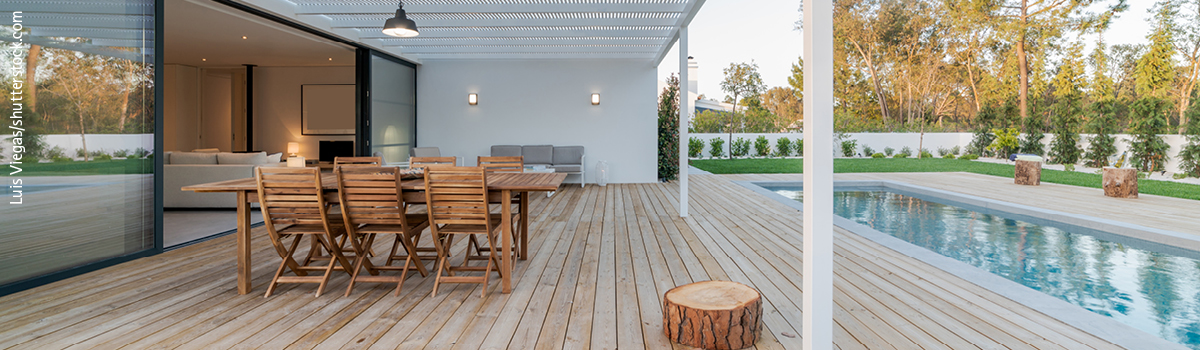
1100, 113
741, 79
1154, 74
1068, 106
1148, 151
81, 79
668, 130
1030, 26
1188, 43
783, 102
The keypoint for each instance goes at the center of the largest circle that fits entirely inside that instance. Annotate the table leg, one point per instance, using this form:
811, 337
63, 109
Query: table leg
506, 241
243, 243
524, 224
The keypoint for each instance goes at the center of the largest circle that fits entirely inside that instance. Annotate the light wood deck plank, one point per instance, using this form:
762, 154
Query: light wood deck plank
600, 260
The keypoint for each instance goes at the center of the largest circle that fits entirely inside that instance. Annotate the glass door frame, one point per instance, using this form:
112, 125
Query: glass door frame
362, 130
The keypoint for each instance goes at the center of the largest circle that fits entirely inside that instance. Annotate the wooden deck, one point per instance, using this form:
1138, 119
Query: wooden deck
601, 258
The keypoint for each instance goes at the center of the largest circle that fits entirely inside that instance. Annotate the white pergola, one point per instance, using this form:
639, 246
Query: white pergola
517, 30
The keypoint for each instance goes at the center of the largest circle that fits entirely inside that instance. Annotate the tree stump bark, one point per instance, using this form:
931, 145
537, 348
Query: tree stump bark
1120, 183
713, 315
1028, 173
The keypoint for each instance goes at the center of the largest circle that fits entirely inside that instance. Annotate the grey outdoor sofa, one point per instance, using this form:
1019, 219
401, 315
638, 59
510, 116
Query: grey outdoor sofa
563, 159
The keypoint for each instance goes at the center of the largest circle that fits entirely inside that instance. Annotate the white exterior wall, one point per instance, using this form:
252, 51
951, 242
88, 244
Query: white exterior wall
879, 141
543, 102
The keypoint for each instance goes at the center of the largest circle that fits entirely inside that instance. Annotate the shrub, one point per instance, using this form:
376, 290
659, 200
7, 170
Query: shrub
783, 147
1189, 157
741, 147
868, 151
121, 153
799, 147
877, 155
969, 156
762, 146
61, 159
1068, 167
849, 148
716, 147
907, 152
948, 156
926, 154
695, 147
80, 153
943, 151
104, 156
56, 152
980, 142
142, 152
1031, 143
955, 150
900, 155
1148, 151
1005, 142
888, 151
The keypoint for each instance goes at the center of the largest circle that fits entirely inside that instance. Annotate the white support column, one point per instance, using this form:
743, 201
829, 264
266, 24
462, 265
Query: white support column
818, 175
685, 108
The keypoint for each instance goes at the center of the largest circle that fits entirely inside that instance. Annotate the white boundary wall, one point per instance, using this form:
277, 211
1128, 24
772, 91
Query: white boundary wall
878, 141
107, 142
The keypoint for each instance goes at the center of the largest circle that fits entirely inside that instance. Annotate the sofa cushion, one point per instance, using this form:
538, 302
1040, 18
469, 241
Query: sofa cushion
506, 151
242, 158
538, 154
568, 155
167, 157
568, 168
275, 157
207, 150
193, 158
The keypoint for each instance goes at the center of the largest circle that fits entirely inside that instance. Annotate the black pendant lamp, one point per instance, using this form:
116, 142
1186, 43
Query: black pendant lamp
400, 26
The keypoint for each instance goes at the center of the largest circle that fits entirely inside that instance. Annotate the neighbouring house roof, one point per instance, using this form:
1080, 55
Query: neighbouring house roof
504, 29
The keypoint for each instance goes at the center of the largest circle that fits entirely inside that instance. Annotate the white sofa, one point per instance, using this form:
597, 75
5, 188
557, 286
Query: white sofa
191, 168
563, 159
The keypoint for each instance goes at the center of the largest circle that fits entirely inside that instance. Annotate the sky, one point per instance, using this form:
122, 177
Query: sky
733, 31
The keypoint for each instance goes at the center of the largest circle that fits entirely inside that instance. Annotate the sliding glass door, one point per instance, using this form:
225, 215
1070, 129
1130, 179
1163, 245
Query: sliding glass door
393, 108
79, 137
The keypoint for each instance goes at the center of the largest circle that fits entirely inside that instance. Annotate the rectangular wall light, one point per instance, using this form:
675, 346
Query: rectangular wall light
595, 99
472, 99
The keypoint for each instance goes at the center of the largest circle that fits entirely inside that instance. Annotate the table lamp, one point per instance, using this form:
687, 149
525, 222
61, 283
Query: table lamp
294, 161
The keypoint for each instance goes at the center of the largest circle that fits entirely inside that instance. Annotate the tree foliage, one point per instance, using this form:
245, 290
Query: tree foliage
668, 130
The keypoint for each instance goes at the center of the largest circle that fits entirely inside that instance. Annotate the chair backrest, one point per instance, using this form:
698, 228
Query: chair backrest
425, 162
457, 195
370, 195
506, 151
425, 152
291, 196
358, 161
502, 164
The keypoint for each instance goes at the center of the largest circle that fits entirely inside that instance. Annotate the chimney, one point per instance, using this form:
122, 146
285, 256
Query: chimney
693, 76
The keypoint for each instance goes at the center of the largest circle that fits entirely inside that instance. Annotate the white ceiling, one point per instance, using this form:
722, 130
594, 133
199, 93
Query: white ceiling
206, 34
502, 29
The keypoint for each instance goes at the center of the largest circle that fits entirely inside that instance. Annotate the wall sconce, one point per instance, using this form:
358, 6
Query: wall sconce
595, 99
472, 99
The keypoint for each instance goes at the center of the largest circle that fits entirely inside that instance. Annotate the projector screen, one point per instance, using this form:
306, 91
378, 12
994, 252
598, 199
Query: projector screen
327, 109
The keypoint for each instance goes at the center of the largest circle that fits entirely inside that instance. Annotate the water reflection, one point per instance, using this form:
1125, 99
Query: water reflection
1155, 292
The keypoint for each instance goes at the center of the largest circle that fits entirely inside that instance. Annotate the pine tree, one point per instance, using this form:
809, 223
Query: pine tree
1101, 112
668, 130
1068, 105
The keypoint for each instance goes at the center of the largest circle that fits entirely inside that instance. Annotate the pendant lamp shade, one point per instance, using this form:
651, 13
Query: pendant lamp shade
400, 26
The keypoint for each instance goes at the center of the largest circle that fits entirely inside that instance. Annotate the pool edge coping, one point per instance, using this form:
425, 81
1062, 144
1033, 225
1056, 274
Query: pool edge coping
1097, 325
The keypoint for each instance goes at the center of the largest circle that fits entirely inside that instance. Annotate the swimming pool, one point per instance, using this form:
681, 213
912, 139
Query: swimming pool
1135, 283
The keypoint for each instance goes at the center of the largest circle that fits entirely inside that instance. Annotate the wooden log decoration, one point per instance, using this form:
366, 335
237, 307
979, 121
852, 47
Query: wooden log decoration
713, 315
1120, 183
1028, 173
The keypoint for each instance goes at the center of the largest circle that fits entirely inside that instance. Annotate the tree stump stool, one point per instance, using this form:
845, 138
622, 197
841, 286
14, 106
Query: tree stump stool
1028, 173
1120, 183
713, 315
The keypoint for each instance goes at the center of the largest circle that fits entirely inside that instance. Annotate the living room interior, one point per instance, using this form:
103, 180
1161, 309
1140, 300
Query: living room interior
206, 106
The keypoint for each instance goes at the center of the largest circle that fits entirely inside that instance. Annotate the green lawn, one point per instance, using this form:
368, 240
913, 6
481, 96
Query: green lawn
910, 165
96, 167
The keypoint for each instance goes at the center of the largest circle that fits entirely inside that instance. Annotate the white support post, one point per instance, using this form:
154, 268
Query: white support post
685, 107
818, 175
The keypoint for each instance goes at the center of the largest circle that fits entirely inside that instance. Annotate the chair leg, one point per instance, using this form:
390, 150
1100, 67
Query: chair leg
286, 255
360, 261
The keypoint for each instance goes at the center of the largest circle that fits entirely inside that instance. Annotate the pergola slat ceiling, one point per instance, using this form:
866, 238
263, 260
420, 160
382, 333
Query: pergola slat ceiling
112, 28
524, 29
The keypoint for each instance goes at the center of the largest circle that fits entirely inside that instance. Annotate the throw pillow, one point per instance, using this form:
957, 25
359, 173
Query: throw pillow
412, 173
275, 157
242, 158
193, 158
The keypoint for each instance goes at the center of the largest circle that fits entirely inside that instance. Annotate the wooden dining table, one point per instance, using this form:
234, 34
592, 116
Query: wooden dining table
505, 183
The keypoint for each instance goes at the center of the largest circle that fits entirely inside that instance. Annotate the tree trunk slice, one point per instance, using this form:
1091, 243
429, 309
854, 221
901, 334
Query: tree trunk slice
1028, 173
1120, 183
713, 315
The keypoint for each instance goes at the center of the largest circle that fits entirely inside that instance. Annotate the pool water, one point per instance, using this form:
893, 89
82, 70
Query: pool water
1155, 292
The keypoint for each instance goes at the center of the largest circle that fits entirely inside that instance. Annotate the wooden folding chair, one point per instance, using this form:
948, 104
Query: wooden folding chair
293, 205
458, 205
424, 162
513, 164
373, 204
372, 161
